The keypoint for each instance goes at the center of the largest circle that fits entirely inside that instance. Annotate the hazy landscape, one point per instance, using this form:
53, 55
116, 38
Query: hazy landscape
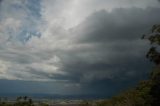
79, 52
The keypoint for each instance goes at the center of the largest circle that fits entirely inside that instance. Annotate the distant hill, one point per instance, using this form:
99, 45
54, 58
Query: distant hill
39, 96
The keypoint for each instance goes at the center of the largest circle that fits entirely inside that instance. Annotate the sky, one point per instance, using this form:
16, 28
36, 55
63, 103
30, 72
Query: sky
74, 46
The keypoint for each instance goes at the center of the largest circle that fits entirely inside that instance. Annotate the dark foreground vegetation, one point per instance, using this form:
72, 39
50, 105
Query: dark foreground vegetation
146, 93
20, 101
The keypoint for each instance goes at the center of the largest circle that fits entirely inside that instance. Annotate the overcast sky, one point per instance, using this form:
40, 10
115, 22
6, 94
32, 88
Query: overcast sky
74, 46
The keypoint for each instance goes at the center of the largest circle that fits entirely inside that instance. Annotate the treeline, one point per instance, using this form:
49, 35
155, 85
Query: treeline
21, 101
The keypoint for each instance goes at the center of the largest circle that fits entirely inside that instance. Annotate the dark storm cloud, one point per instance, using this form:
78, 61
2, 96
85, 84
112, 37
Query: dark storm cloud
106, 51
120, 24
102, 52
65, 46
108, 47
31, 87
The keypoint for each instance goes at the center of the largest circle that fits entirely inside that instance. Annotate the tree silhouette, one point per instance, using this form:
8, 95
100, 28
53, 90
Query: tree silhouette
154, 38
154, 56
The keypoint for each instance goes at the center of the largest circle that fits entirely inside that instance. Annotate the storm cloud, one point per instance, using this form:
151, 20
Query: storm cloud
58, 42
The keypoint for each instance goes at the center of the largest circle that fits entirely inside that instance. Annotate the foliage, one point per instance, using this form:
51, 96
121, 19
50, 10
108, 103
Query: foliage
24, 101
20, 101
154, 38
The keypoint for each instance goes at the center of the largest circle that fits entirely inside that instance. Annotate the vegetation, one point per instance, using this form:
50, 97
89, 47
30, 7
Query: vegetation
147, 93
21, 101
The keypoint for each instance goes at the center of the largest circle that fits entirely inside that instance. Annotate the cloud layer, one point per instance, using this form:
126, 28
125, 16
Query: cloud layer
80, 43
